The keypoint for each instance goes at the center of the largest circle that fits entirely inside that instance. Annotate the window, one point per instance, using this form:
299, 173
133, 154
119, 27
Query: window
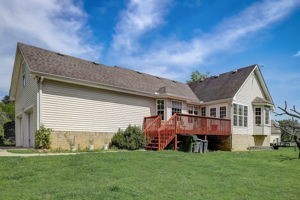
235, 114
240, 112
223, 112
245, 116
176, 107
193, 110
213, 112
240, 115
258, 116
23, 74
267, 116
160, 108
203, 111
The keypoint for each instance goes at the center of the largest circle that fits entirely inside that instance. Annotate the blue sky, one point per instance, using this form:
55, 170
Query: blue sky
168, 38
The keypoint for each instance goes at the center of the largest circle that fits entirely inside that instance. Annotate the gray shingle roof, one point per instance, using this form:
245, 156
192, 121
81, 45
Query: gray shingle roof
223, 86
259, 100
48, 62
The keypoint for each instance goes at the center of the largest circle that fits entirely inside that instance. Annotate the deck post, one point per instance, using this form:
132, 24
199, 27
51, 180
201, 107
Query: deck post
175, 143
158, 132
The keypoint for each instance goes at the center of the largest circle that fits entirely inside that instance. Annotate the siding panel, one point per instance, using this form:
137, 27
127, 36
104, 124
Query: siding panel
68, 107
245, 96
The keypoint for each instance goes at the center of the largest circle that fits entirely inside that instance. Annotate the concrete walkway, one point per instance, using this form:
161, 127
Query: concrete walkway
4, 153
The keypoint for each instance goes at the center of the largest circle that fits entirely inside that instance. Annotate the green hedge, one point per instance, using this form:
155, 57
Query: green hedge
131, 138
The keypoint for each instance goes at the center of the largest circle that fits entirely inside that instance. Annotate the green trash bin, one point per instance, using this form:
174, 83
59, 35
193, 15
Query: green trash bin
197, 144
201, 146
187, 144
205, 146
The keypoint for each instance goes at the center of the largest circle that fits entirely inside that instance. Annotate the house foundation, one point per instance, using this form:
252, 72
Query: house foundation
82, 140
243, 142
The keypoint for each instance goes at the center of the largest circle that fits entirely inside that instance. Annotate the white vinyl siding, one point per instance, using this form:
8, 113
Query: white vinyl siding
246, 94
68, 107
26, 96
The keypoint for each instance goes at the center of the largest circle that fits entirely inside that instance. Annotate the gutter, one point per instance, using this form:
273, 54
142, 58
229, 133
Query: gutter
107, 87
39, 101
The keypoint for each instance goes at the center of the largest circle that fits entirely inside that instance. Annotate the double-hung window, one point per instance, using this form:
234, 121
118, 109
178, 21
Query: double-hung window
240, 115
176, 107
203, 111
213, 112
258, 116
267, 116
193, 110
223, 112
160, 108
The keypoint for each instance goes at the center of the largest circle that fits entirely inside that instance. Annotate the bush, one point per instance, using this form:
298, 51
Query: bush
131, 138
42, 138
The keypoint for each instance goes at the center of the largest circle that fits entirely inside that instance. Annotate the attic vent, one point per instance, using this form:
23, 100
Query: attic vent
157, 77
95, 63
60, 54
234, 71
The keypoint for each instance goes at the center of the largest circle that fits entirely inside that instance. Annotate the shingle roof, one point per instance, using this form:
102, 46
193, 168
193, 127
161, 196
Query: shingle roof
223, 86
48, 62
259, 100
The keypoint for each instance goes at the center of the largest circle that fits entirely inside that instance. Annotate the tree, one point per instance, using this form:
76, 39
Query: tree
196, 76
5, 100
7, 115
293, 129
286, 137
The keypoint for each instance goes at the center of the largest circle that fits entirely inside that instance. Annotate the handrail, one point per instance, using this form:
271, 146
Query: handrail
163, 134
166, 132
198, 116
152, 129
192, 124
145, 126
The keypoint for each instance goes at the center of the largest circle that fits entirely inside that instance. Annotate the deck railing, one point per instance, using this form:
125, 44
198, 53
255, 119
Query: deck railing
151, 130
183, 124
192, 124
166, 132
148, 121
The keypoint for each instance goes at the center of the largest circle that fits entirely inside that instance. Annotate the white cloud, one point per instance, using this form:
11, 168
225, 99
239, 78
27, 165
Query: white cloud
52, 24
176, 54
297, 54
139, 17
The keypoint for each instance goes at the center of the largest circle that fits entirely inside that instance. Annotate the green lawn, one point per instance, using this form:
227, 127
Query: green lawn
153, 175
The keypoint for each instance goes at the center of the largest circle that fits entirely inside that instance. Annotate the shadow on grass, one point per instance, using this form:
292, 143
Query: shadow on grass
286, 158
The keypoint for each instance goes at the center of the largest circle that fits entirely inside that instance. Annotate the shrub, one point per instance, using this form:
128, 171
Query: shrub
131, 138
42, 138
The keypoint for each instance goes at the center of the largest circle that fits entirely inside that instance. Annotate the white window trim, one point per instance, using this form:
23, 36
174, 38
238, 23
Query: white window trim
261, 115
201, 111
176, 102
164, 107
243, 122
194, 108
215, 112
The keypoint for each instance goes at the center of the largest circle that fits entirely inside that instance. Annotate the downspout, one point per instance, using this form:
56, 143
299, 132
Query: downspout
39, 102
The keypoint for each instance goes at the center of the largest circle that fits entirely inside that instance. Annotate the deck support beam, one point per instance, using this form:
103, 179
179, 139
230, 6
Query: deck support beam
175, 143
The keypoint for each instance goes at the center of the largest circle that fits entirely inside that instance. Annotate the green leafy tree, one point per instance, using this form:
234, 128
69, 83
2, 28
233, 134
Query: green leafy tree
7, 114
196, 76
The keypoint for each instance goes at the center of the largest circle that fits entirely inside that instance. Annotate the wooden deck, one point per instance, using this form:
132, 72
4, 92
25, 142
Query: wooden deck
160, 134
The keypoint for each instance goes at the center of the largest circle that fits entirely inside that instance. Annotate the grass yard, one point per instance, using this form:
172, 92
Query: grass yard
153, 175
